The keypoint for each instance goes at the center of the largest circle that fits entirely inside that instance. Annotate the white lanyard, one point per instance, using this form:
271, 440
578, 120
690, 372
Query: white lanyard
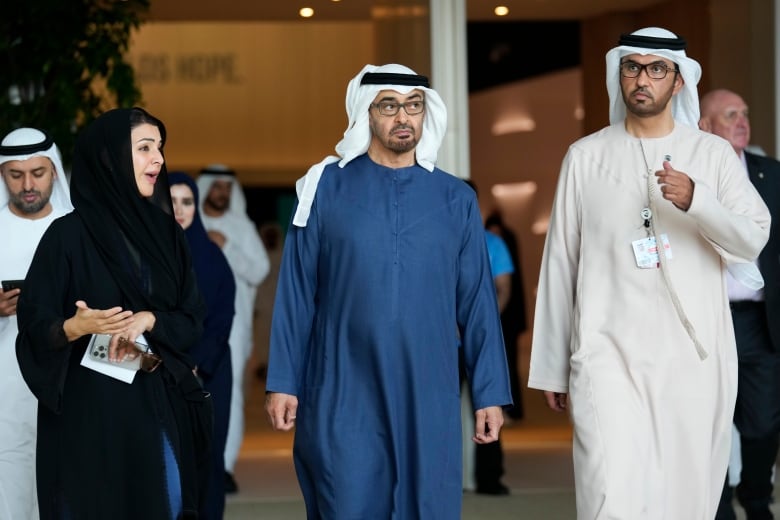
650, 216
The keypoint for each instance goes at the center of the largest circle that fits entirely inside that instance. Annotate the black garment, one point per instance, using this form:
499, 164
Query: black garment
489, 468
765, 175
212, 352
757, 331
513, 318
488, 458
100, 440
758, 395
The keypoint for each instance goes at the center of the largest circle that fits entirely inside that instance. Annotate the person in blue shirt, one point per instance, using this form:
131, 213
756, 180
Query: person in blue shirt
489, 458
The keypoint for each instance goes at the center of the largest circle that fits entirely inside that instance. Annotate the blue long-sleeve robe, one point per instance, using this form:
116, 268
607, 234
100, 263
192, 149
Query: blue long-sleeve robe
372, 296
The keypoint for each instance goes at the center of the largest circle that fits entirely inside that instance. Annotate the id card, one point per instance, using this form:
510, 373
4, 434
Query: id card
646, 252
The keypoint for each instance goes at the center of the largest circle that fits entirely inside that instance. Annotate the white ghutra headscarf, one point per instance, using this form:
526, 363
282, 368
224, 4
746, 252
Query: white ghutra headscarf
666, 44
220, 172
26, 143
361, 91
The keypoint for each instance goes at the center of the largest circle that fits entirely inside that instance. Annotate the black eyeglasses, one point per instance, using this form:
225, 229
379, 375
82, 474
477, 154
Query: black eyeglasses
391, 108
655, 70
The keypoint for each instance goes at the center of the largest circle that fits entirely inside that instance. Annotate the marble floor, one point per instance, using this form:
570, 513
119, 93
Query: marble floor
537, 458
537, 454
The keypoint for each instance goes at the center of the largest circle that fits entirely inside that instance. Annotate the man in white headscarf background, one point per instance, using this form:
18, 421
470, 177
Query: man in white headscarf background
639, 347
223, 211
34, 193
384, 266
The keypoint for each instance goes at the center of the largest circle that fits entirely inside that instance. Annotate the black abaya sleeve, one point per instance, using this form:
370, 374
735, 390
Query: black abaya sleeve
42, 348
179, 329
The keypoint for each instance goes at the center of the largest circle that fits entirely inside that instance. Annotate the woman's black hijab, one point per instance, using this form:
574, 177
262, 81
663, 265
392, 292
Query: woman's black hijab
197, 236
136, 236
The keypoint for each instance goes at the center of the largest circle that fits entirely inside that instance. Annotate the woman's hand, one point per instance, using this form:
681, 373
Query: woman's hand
8, 301
117, 323
96, 321
122, 344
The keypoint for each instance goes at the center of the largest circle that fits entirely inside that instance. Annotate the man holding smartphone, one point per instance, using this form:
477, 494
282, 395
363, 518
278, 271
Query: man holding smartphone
34, 193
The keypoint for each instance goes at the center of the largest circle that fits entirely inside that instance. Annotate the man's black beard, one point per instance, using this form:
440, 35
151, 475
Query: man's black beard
220, 208
404, 146
29, 209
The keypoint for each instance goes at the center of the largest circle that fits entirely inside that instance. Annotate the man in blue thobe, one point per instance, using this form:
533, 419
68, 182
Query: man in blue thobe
384, 268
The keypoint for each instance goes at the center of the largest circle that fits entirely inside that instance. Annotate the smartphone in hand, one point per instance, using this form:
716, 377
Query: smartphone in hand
12, 284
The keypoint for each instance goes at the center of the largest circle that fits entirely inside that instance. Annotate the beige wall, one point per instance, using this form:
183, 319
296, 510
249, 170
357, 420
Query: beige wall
517, 172
741, 58
265, 98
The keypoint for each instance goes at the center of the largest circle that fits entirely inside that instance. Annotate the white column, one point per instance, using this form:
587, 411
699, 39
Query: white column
449, 62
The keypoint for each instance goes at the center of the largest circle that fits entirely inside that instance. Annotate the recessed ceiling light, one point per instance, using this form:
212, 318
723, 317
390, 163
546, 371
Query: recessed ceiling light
501, 10
306, 12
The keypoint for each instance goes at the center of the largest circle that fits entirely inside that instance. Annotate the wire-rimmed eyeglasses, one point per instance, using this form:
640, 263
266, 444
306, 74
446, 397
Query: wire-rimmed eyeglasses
391, 108
655, 70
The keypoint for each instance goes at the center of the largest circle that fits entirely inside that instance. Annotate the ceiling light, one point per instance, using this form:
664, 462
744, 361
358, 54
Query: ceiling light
501, 10
513, 124
306, 12
540, 225
515, 190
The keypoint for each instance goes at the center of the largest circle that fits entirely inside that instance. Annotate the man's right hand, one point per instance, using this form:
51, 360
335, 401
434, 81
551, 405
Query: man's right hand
8, 301
556, 400
281, 409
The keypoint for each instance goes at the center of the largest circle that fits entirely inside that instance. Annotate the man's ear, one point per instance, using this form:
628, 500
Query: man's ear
679, 83
53, 169
704, 124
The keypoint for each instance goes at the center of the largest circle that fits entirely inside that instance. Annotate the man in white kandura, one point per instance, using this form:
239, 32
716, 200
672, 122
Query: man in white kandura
223, 210
638, 346
34, 193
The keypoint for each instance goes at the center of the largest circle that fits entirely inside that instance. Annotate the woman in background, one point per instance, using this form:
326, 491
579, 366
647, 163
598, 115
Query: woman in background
212, 353
118, 265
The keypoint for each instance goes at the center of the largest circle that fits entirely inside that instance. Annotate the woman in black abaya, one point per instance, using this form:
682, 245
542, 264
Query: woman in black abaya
212, 353
118, 264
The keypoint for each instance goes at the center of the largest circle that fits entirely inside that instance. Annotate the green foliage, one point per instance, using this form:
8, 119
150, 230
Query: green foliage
62, 63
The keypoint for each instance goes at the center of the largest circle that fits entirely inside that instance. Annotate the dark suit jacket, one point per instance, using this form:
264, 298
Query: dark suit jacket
765, 176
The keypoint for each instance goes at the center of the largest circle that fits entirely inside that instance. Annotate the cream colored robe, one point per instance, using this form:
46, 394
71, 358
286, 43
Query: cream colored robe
652, 420
249, 262
18, 405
